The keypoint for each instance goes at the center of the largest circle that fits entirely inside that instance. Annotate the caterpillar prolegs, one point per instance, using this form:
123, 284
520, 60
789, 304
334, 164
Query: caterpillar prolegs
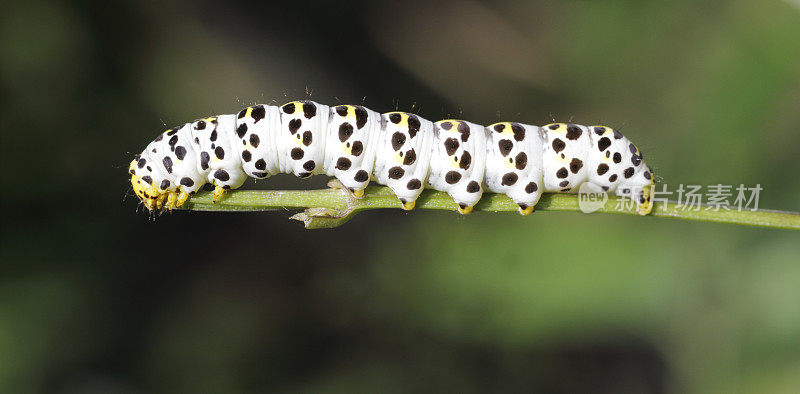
401, 150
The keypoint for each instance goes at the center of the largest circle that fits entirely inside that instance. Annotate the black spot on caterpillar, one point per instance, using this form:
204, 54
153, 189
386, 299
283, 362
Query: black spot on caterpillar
361, 117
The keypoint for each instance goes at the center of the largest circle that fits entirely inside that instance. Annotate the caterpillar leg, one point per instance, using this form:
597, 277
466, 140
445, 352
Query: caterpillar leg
172, 198
160, 200
182, 197
337, 184
355, 193
464, 209
525, 210
408, 205
218, 192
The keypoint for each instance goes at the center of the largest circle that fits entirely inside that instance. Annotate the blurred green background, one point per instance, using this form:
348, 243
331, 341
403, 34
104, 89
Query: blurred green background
94, 297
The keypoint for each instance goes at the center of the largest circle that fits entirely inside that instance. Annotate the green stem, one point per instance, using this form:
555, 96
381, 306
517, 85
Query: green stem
327, 208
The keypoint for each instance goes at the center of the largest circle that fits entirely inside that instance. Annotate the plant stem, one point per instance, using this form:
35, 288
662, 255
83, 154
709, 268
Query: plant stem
327, 208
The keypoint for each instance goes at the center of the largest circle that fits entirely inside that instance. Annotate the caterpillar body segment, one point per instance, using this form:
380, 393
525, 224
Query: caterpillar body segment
219, 153
401, 150
301, 140
353, 137
404, 154
566, 147
180, 156
609, 148
514, 152
258, 144
458, 161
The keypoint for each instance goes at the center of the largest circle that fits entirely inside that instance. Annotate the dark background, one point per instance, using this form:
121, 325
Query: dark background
96, 297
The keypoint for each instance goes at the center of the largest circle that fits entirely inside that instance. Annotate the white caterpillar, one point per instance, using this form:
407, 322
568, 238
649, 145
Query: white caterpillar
397, 149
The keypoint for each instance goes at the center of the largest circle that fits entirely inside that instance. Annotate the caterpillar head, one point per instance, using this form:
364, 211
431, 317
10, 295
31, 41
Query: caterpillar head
641, 188
142, 184
156, 191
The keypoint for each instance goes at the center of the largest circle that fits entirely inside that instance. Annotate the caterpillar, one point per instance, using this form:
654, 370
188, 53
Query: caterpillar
400, 150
